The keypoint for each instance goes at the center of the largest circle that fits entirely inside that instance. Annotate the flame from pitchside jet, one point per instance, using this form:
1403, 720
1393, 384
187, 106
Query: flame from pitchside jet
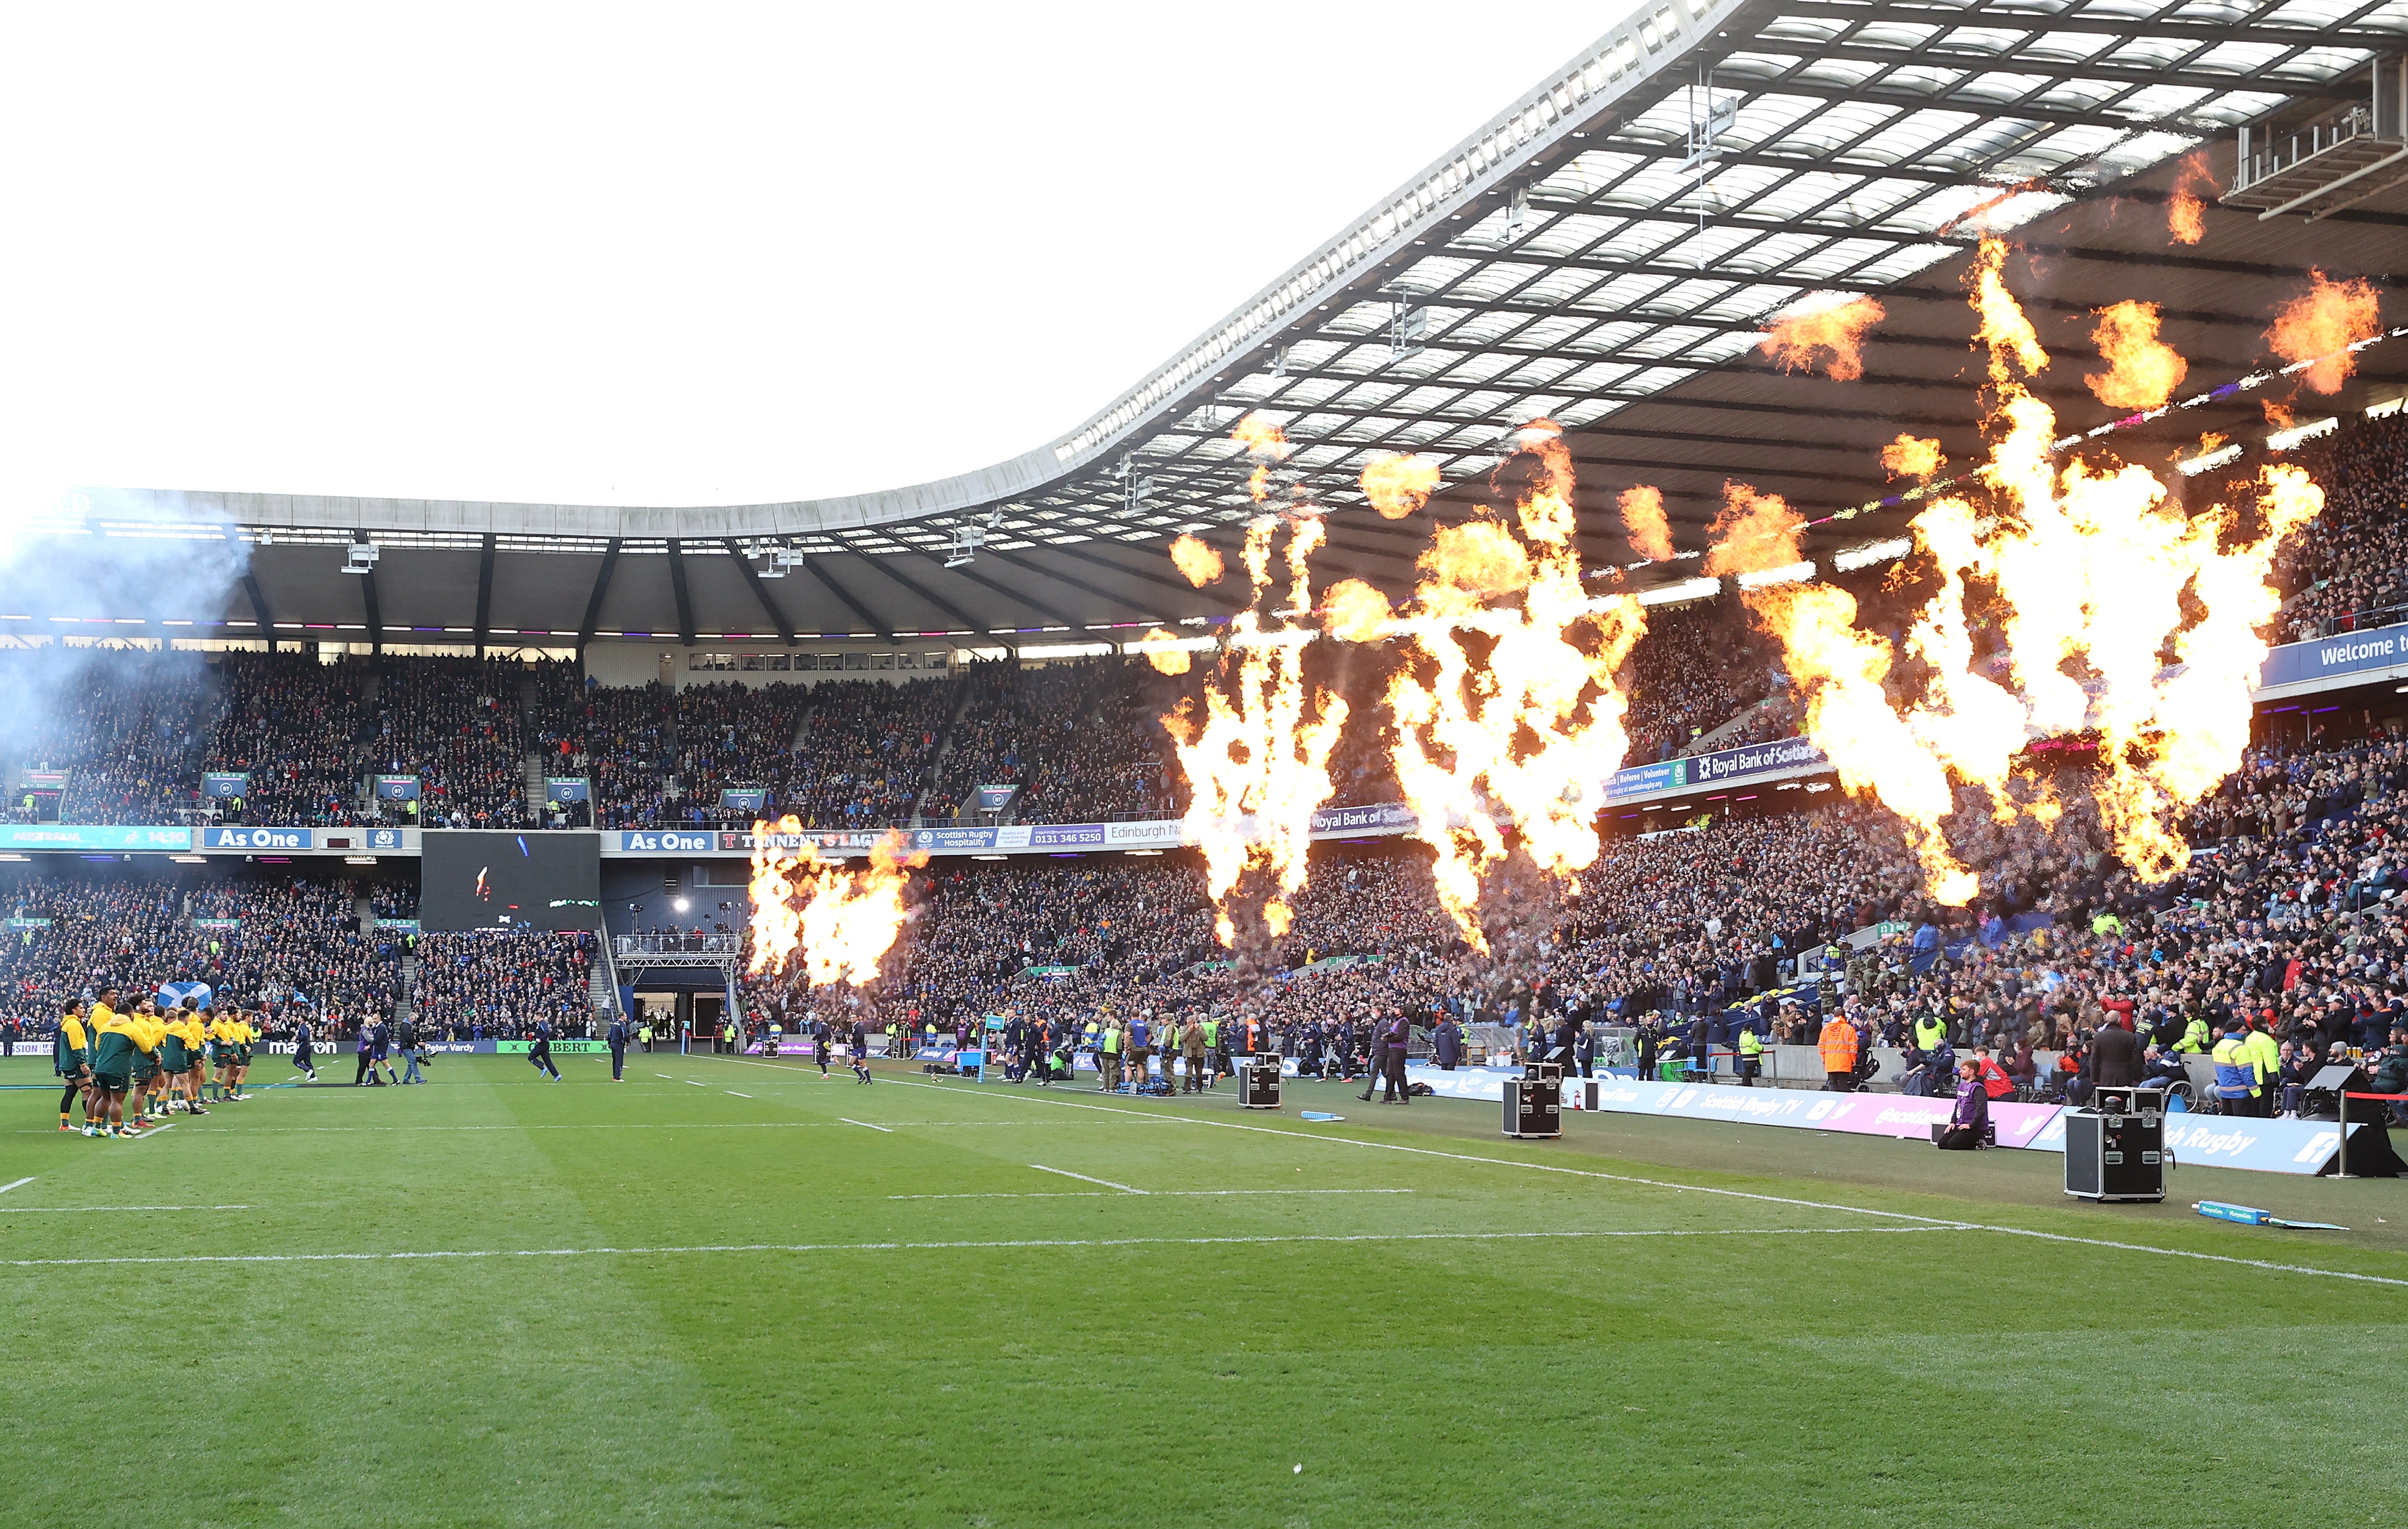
1837, 331
1645, 523
2322, 323
1260, 757
1399, 485
2185, 222
1165, 658
841, 922
1197, 561
2095, 577
2143, 371
1520, 716
1912, 456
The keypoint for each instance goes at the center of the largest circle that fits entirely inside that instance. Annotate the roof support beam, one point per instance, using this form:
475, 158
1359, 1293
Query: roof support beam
846, 595
484, 593
677, 587
966, 621
259, 608
594, 601
376, 618
761, 592
1018, 597
2340, 35
1081, 585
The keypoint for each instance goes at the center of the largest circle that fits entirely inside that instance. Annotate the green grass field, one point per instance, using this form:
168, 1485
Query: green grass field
728, 1293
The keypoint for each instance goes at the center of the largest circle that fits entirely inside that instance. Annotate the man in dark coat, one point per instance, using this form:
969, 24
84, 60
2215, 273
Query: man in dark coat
2115, 1058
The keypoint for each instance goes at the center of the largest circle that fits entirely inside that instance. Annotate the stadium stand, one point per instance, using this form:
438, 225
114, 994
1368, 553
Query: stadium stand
483, 985
2350, 570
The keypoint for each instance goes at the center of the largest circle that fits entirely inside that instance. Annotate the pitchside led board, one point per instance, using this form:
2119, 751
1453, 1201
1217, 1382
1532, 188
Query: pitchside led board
472, 879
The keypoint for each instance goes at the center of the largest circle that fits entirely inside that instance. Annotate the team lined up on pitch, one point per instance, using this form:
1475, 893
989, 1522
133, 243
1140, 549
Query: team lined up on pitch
133, 1069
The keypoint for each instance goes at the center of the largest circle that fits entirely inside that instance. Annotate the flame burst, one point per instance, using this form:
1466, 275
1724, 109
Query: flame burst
1199, 564
2185, 222
1837, 331
2095, 577
1353, 611
1754, 532
843, 923
1165, 658
1399, 485
2322, 323
2143, 371
1266, 443
1532, 731
1645, 523
1912, 456
1260, 760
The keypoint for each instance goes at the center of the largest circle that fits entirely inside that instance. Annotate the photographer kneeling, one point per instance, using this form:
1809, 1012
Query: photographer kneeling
1970, 1123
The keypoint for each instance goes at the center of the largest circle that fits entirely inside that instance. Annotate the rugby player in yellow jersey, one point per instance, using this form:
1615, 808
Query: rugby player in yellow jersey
191, 1036
71, 1058
149, 1031
243, 1037
112, 1059
222, 1034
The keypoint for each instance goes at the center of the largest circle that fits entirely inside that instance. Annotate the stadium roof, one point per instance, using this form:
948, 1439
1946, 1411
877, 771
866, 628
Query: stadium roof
1606, 252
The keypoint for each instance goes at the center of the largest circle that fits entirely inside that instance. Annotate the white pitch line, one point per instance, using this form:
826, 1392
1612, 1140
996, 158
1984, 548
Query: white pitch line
18, 1184
849, 1120
1163, 1193
1703, 1189
1001, 1243
665, 1076
81, 1209
1106, 1182
150, 1131
741, 1095
698, 1085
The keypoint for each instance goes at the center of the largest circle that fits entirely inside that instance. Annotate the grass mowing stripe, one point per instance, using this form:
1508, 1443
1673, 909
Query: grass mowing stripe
1085, 1179
83, 1209
941, 1247
2265, 1263
1159, 1194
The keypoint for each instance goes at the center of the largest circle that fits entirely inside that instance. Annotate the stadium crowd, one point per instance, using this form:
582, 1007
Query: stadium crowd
486, 984
2349, 570
288, 947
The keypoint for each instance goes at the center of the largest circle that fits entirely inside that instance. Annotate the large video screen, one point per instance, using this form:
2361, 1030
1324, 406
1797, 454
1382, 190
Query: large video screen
471, 879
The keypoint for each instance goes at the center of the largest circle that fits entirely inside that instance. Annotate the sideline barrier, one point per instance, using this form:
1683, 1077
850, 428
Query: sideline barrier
2300, 1147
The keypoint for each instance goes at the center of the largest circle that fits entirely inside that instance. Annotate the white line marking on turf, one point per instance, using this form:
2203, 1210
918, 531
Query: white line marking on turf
150, 1131
699, 1085
1083, 1179
1165, 1193
78, 1209
18, 1184
1698, 1189
866, 1124
741, 1095
1015, 1242
664, 1075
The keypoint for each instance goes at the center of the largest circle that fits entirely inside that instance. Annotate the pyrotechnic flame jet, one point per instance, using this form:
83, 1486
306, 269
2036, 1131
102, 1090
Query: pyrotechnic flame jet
2094, 579
1257, 763
841, 922
1508, 714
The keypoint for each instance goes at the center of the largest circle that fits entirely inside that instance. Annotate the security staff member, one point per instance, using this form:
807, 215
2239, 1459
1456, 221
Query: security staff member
2268, 1056
1930, 1032
618, 1038
2236, 1071
1751, 1054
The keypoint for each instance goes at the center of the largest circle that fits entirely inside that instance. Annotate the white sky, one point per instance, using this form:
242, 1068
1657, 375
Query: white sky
671, 255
